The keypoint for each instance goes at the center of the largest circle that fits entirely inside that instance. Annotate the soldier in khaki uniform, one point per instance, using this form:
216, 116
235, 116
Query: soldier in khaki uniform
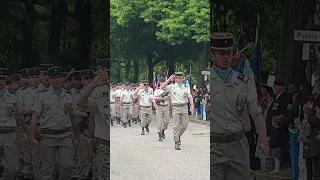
95, 97
135, 113
126, 105
179, 96
146, 98
112, 104
161, 99
233, 98
55, 112
10, 114
118, 105
14, 83
44, 78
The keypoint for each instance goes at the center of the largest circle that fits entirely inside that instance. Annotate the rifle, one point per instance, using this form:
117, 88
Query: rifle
164, 94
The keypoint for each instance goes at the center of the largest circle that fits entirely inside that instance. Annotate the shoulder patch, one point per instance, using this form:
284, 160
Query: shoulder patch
243, 78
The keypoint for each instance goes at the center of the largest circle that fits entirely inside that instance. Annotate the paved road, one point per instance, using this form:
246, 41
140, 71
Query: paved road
139, 157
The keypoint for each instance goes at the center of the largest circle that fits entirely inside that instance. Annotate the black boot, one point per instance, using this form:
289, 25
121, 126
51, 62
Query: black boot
177, 145
124, 125
142, 132
135, 121
147, 128
160, 136
163, 135
118, 120
111, 122
129, 122
139, 121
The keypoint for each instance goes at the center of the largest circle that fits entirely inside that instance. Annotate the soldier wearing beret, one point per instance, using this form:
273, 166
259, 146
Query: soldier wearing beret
11, 112
95, 97
180, 95
55, 112
233, 99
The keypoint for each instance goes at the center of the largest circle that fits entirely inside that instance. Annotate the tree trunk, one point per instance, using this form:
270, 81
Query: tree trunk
58, 14
203, 57
84, 34
136, 70
118, 72
29, 56
150, 67
128, 66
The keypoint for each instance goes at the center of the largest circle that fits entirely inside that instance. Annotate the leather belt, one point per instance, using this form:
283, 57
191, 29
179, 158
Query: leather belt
226, 137
178, 105
146, 106
127, 103
7, 131
55, 132
163, 105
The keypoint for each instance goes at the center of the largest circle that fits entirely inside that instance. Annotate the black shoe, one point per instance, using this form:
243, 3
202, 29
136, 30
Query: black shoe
179, 140
129, 123
135, 121
111, 123
118, 120
142, 132
177, 145
147, 128
124, 125
163, 135
160, 136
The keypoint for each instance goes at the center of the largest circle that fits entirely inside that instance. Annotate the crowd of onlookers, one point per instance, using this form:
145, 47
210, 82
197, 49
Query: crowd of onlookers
201, 98
293, 128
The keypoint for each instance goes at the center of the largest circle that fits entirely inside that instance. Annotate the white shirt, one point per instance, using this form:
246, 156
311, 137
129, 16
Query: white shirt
126, 96
112, 96
146, 98
179, 95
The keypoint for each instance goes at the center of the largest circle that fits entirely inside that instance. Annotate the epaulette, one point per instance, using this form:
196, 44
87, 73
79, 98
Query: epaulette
243, 78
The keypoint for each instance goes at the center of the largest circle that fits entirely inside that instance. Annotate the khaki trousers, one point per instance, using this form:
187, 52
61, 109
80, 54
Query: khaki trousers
48, 147
145, 116
83, 163
230, 161
162, 117
135, 113
10, 155
126, 114
180, 121
118, 110
21, 149
36, 163
102, 161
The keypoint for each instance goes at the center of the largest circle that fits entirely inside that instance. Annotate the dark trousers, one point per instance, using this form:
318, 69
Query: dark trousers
254, 162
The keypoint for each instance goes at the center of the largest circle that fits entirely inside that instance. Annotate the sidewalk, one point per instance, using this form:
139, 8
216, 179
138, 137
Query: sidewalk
197, 119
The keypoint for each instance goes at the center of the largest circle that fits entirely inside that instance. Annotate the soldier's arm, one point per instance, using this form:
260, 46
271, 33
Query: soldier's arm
19, 117
75, 125
84, 95
190, 99
136, 92
36, 112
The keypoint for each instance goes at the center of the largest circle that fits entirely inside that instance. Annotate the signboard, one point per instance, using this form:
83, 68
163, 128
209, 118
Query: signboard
307, 36
206, 73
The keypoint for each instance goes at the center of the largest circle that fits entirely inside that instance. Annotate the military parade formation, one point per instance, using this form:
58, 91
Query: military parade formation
132, 103
55, 124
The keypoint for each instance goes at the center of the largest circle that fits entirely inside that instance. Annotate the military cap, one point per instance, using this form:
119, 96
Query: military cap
33, 71
221, 41
45, 67
86, 73
14, 77
75, 74
3, 72
23, 72
56, 70
103, 62
133, 85
178, 74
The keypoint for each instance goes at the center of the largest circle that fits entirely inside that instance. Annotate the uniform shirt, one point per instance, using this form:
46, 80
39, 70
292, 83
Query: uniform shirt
98, 104
29, 98
43, 87
126, 96
157, 93
54, 110
9, 106
75, 91
231, 103
112, 96
21, 92
146, 97
178, 95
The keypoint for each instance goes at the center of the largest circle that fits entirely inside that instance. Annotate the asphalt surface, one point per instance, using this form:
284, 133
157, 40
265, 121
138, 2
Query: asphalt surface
138, 157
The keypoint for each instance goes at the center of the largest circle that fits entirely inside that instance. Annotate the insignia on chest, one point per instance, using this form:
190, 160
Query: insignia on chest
243, 78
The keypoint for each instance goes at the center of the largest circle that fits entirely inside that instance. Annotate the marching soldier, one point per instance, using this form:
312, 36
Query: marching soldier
95, 97
112, 104
118, 105
55, 112
11, 113
126, 105
136, 107
44, 78
76, 82
146, 98
233, 99
161, 99
179, 95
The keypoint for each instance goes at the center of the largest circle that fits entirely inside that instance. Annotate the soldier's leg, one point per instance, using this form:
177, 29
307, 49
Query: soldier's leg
65, 152
239, 160
176, 123
159, 121
28, 168
183, 121
218, 161
83, 161
130, 113
47, 151
165, 120
74, 174
103, 161
36, 163
10, 159
21, 147
124, 116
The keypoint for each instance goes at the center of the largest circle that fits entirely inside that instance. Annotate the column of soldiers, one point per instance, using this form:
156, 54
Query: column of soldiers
55, 124
133, 103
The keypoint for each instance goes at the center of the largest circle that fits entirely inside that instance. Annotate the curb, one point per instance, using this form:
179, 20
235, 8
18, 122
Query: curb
198, 121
